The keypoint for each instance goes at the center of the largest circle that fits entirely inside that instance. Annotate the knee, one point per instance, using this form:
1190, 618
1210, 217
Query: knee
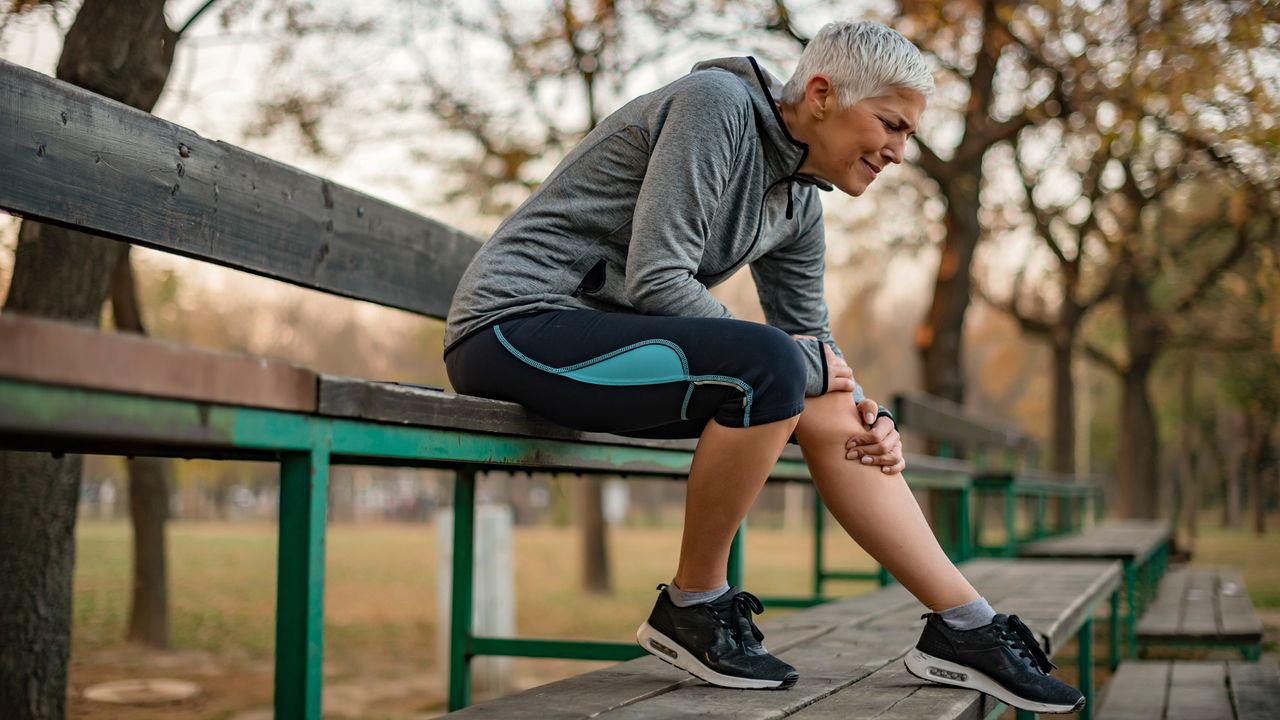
829, 419
786, 369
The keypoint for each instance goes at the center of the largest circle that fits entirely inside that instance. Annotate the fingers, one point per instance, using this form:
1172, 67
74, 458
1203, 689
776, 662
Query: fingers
868, 408
879, 441
840, 384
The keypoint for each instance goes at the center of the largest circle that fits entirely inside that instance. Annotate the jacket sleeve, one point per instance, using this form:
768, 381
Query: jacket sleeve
692, 155
789, 283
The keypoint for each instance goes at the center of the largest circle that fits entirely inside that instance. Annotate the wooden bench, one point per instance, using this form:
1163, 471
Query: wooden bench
1202, 607
70, 157
1192, 690
1143, 547
1003, 462
849, 654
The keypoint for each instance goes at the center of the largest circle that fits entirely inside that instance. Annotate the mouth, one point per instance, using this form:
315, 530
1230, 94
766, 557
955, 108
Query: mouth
872, 170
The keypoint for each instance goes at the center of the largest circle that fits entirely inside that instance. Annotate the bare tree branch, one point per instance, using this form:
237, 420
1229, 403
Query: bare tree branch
1100, 356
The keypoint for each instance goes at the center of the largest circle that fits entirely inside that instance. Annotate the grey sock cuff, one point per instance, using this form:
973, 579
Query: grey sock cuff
973, 614
684, 599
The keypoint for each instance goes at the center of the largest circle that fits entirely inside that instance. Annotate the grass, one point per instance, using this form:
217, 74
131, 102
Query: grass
381, 604
381, 586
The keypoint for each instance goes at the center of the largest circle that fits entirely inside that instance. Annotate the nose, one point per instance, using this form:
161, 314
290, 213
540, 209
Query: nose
895, 149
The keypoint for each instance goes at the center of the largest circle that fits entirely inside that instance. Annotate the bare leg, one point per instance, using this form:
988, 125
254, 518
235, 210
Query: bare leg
729, 468
877, 510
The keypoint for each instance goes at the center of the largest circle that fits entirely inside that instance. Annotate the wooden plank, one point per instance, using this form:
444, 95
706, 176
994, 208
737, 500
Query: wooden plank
410, 405
1139, 690
839, 649
1237, 620
58, 353
1198, 690
1198, 617
639, 681
1201, 604
81, 160
941, 419
827, 665
1255, 689
1127, 539
1162, 618
892, 693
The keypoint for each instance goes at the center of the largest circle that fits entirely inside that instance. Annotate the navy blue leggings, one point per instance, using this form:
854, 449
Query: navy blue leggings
636, 375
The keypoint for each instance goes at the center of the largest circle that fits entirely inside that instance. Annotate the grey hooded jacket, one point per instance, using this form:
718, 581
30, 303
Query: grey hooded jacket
665, 198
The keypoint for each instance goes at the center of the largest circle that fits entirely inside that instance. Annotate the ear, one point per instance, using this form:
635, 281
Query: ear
819, 94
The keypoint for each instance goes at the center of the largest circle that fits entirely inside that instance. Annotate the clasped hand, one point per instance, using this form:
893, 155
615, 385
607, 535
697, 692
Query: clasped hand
879, 444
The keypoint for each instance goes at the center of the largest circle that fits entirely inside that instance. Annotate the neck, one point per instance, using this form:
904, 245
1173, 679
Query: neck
799, 128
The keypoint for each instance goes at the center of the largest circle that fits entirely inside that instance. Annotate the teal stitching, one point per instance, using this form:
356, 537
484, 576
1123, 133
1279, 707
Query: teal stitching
684, 364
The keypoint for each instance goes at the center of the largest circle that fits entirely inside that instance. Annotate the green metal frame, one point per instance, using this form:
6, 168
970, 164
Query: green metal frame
306, 445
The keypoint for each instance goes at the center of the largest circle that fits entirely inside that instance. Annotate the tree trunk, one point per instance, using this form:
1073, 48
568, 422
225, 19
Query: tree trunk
1257, 427
1063, 441
148, 498
1187, 451
122, 49
939, 339
595, 550
1139, 448
1138, 466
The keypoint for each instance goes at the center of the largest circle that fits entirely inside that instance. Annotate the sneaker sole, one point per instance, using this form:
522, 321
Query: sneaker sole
945, 672
668, 651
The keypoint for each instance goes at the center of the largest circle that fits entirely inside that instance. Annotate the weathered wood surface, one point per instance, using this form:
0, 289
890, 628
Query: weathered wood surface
848, 654
59, 353
1201, 604
418, 406
78, 159
944, 420
1192, 690
1125, 539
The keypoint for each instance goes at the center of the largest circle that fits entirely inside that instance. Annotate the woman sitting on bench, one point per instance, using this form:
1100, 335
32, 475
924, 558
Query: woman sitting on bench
590, 306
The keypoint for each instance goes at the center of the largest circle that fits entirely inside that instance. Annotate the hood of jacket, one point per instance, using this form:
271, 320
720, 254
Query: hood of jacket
783, 153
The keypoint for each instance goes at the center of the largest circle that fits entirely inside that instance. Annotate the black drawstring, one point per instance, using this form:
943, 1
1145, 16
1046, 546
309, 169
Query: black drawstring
790, 188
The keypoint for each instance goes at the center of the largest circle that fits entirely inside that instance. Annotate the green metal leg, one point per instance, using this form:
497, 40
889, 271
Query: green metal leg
1011, 531
304, 480
1113, 646
737, 553
464, 514
819, 523
979, 517
1084, 658
964, 525
1024, 715
1252, 653
1038, 530
1131, 610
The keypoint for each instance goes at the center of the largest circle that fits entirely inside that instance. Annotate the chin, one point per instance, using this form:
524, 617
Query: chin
854, 189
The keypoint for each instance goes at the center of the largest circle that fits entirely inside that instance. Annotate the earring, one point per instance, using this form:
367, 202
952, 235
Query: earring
819, 116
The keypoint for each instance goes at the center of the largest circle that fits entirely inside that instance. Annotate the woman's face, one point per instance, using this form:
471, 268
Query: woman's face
850, 147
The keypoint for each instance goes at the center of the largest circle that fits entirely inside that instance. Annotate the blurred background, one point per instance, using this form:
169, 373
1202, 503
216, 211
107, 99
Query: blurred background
1084, 242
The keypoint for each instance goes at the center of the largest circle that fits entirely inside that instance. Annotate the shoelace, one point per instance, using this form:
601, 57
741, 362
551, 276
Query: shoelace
736, 616
1023, 641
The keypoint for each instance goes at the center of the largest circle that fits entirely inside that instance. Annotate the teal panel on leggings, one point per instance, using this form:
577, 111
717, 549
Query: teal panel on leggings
643, 365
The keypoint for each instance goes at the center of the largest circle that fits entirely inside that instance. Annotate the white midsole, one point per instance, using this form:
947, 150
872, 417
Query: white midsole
683, 659
928, 667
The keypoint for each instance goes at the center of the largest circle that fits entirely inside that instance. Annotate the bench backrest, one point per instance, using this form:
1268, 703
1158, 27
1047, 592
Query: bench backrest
960, 433
75, 158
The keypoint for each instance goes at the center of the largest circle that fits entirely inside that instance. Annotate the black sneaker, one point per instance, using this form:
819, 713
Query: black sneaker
1002, 659
715, 641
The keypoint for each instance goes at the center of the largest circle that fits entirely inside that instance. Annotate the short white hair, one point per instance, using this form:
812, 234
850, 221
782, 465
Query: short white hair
863, 60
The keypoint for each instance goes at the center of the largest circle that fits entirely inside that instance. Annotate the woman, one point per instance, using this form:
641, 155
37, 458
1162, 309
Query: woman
590, 306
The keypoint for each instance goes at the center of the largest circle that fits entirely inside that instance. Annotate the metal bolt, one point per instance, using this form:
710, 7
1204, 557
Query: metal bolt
184, 151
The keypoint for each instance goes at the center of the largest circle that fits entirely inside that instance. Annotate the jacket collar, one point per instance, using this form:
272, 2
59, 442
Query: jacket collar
783, 153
